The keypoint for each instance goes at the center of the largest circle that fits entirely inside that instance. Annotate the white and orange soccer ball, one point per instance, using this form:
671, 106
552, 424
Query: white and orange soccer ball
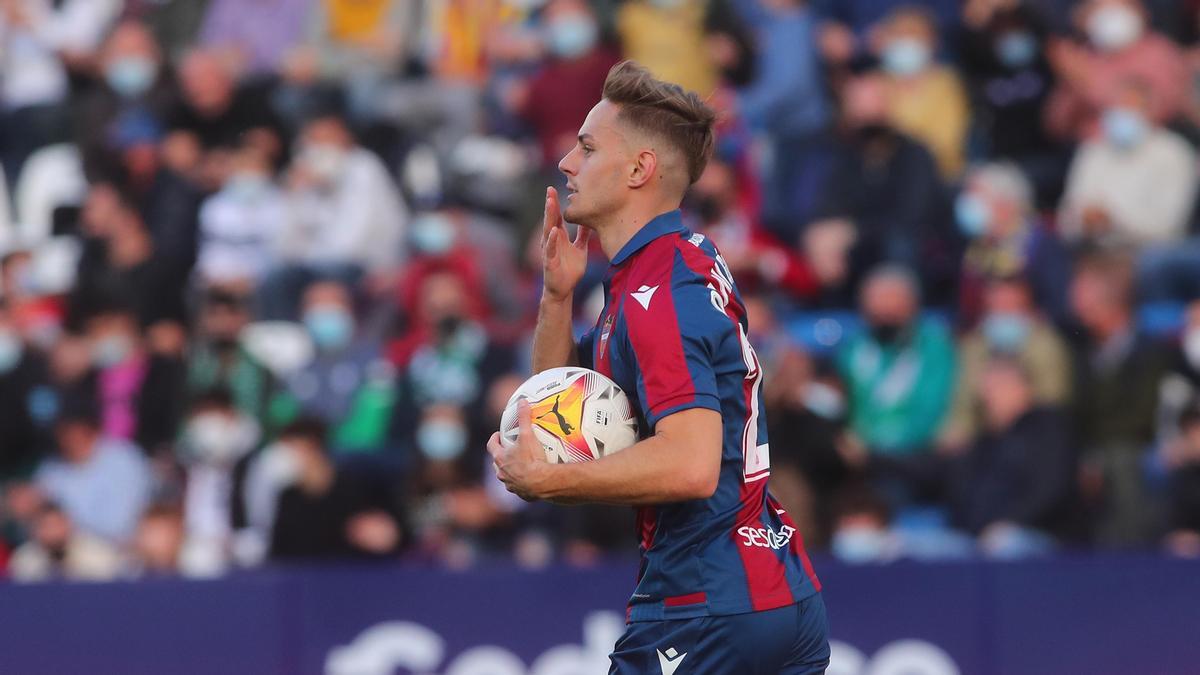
577, 414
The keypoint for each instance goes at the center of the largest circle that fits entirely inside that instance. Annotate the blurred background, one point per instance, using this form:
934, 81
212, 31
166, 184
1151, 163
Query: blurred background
270, 269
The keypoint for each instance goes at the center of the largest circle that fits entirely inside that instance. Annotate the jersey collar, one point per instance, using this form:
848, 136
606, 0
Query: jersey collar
666, 223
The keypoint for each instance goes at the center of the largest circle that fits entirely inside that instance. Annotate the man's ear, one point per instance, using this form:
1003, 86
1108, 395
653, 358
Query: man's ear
645, 164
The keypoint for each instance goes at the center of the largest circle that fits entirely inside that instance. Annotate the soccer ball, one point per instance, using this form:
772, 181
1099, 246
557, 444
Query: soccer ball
578, 415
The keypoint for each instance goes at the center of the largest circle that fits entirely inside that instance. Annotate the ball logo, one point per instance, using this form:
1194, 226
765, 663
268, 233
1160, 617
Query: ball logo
561, 414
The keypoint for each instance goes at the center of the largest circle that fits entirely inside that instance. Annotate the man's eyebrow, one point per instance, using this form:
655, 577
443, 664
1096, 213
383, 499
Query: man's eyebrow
586, 138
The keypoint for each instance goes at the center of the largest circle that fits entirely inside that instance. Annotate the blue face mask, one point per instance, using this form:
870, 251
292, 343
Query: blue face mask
442, 440
972, 214
10, 351
905, 57
330, 328
1006, 332
433, 234
1017, 49
1124, 128
131, 76
571, 36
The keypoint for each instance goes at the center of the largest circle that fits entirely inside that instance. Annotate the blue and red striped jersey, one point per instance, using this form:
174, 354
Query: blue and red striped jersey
673, 336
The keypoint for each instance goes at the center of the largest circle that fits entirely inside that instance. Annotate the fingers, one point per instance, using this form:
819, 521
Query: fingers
582, 237
524, 418
495, 449
552, 216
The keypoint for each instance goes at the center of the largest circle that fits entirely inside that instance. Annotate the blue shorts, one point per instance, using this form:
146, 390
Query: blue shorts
791, 640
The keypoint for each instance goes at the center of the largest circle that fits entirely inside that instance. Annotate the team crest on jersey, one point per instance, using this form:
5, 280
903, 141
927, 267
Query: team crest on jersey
561, 414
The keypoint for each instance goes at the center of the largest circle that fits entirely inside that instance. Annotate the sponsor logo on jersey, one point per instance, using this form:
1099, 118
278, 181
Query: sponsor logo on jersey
643, 295
765, 537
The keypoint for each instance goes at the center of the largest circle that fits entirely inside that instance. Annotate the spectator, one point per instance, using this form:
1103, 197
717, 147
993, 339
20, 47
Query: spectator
59, 551
347, 217
215, 440
1182, 459
241, 224
1010, 82
23, 390
1015, 482
668, 38
887, 187
213, 108
158, 545
1011, 328
1092, 80
234, 28
806, 414
133, 81
42, 40
556, 99
788, 105
1117, 373
925, 100
348, 385
1181, 383
899, 377
714, 208
217, 359
1136, 183
329, 512
995, 211
102, 483
138, 385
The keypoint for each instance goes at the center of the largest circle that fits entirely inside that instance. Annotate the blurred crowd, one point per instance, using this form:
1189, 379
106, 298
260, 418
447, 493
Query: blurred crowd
269, 270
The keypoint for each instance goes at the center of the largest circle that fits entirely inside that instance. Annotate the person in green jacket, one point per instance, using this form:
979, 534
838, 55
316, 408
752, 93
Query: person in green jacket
899, 373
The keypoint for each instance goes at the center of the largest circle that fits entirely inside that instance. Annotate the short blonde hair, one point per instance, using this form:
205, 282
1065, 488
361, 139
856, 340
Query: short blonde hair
664, 110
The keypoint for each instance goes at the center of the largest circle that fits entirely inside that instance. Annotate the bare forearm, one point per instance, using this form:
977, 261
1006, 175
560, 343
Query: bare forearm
645, 473
553, 343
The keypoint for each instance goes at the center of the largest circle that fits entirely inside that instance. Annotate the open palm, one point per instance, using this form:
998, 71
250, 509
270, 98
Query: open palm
563, 261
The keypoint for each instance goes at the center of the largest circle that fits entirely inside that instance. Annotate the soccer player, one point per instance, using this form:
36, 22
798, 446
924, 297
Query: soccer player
724, 585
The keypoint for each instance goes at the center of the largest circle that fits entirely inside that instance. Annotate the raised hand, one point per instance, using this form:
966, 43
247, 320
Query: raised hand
563, 261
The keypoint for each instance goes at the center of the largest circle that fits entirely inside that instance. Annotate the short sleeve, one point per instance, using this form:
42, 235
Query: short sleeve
584, 350
678, 338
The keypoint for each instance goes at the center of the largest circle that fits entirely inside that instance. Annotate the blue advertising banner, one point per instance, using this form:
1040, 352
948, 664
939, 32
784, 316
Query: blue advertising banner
1092, 615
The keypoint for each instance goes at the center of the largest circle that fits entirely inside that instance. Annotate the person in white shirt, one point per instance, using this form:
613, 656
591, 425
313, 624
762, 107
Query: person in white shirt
1135, 184
347, 218
240, 225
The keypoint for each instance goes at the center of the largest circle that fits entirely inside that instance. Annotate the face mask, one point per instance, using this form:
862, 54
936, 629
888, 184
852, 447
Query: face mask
433, 234
860, 545
447, 326
131, 76
1114, 27
1016, 49
441, 440
330, 328
111, 350
824, 401
217, 438
887, 334
10, 351
870, 133
324, 159
1191, 347
246, 186
666, 4
1006, 332
280, 464
44, 334
571, 36
905, 57
972, 214
1124, 128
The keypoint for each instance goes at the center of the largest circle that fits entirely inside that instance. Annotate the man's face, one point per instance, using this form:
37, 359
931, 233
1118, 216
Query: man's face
889, 301
598, 167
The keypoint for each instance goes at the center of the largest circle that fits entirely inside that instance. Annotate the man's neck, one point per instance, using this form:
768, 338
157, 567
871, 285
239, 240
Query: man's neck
616, 232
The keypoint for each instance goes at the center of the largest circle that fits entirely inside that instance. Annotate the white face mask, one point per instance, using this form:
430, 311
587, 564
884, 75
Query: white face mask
1114, 27
214, 438
324, 159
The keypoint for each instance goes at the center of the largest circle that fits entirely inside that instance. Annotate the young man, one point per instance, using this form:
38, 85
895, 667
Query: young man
724, 584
